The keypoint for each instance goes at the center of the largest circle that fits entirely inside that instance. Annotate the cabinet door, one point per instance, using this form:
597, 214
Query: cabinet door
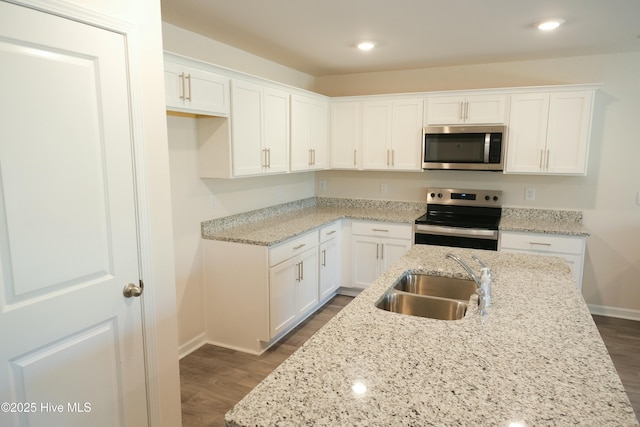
276, 130
307, 285
406, 134
300, 132
283, 278
207, 92
568, 132
246, 128
391, 251
319, 139
527, 133
329, 268
345, 135
445, 110
485, 109
365, 252
173, 85
376, 134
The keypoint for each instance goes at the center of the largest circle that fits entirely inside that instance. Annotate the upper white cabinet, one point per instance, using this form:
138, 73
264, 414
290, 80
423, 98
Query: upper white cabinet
472, 109
345, 135
192, 90
259, 129
549, 133
392, 134
309, 133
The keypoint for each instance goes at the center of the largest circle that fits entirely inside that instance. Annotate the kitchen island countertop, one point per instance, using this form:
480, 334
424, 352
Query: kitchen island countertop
536, 359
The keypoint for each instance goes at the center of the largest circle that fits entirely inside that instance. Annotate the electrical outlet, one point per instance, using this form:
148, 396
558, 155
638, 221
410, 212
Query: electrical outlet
383, 188
213, 201
530, 194
323, 185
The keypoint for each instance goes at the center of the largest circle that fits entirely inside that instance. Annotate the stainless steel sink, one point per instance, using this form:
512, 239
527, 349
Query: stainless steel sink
423, 306
436, 286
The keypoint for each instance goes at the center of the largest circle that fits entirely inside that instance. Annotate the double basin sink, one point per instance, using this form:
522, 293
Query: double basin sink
436, 297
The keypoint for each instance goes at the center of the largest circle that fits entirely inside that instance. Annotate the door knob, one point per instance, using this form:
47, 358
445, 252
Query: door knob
131, 290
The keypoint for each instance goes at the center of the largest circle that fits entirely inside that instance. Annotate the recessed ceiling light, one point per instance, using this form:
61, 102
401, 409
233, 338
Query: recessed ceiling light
366, 45
549, 25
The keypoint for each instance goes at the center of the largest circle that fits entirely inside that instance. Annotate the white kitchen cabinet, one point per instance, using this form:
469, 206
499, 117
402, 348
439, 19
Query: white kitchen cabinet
259, 129
330, 260
255, 294
374, 247
309, 133
471, 109
192, 90
571, 248
392, 134
293, 290
549, 133
345, 135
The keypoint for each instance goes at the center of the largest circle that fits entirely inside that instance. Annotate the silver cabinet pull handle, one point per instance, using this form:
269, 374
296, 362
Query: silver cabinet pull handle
393, 157
269, 158
540, 243
355, 154
301, 270
547, 166
181, 85
331, 232
377, 250
324, 258
381, 250
379, 229
299, 246
188, 77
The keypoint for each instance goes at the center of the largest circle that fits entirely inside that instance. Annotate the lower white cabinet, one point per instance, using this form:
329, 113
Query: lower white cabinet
571, 248
374, 247
293, 290
330, 265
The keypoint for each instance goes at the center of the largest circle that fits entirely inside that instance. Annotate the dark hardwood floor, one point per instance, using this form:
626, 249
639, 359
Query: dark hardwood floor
214, 379
622, 338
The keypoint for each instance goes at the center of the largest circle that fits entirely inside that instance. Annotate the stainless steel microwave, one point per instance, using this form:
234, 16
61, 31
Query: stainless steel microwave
464, 147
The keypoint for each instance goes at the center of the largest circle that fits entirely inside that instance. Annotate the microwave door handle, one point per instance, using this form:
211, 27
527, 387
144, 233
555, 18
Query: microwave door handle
487, 146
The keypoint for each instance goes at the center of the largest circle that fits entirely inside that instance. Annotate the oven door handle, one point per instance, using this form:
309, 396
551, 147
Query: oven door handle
456, 231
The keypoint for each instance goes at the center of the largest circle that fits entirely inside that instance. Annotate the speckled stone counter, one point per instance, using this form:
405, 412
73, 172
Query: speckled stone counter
536, 359
279, 223
545, 221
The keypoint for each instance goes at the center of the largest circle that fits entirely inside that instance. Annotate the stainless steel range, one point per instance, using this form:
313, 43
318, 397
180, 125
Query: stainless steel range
460, 218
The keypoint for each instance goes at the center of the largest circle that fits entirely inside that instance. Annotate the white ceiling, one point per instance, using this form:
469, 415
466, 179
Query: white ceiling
318, 37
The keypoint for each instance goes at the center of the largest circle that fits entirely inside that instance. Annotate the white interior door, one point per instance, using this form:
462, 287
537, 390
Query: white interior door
71, 351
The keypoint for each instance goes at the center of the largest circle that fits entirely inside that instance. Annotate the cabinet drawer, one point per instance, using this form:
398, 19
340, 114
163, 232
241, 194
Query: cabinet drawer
292, 247
383, 229
330, 231
541, 242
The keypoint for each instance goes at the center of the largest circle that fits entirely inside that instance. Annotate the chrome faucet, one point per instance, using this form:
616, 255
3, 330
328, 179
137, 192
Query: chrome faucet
483, 283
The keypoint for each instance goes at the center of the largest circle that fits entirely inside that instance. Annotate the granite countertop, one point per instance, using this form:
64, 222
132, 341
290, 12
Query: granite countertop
536, 359
273, 225
545, 221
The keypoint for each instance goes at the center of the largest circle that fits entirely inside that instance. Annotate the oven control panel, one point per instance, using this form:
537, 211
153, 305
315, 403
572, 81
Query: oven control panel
450, 196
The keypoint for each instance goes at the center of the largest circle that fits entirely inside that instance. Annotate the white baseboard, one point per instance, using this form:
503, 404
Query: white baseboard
622, 313
192, 345
352, 292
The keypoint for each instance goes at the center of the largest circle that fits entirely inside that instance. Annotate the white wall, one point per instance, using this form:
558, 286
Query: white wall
192, 196
607, 195
192, 204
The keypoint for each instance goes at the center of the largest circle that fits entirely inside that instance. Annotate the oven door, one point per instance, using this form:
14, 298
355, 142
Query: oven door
473, 238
